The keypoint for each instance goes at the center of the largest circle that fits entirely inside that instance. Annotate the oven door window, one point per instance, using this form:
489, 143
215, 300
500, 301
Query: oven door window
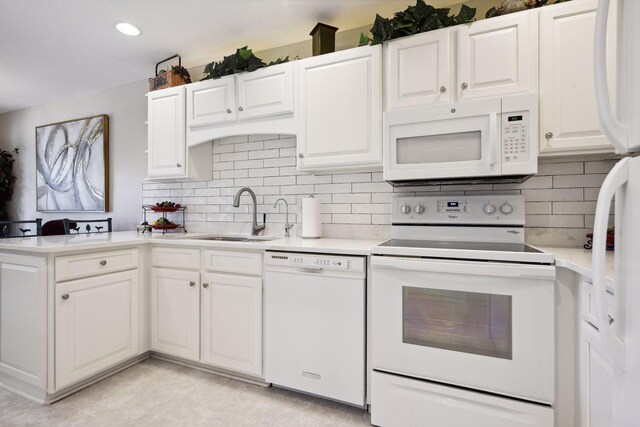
468, 322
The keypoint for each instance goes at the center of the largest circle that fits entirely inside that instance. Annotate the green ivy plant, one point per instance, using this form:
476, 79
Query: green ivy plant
6, 180
416, 19
242, 60
506, 8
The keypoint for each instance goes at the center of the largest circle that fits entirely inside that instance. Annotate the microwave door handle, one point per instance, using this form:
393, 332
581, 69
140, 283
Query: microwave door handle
495, 140
610, 125
617, 178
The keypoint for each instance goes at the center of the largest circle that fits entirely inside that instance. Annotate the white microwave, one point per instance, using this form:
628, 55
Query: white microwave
488, 140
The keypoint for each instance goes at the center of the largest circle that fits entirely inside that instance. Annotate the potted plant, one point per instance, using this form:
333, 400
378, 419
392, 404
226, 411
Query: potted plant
6, 181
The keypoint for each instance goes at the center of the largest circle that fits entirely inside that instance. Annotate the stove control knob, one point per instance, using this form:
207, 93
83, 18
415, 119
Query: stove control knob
506, 209
405, 209
419, 209
489, 209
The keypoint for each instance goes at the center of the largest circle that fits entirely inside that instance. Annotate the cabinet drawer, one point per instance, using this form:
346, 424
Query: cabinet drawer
175, 257
93, 264
233, 262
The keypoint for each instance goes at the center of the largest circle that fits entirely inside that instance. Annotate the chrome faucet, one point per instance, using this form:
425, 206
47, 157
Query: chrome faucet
236, 203
287, 225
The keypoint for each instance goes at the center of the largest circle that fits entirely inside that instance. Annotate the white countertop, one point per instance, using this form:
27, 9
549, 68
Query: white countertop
83, 242
576, 259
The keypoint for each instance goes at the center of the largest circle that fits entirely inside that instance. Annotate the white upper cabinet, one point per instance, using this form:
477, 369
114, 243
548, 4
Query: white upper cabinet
569, 121
339, 102
498, 56
418, 69
266, 92
258, 102
167, 153
211, 102
166, 133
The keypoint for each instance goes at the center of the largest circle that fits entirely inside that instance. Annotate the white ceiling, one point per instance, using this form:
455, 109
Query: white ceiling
52, 49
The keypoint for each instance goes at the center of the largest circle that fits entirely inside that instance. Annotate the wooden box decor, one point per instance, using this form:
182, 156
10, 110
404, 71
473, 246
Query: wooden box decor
324, 39
175, 76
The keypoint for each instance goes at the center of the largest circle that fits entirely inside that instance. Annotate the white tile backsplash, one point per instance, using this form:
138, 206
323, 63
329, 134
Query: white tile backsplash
560, 199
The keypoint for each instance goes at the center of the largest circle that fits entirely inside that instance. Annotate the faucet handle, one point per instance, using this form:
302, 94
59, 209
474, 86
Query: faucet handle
264, 219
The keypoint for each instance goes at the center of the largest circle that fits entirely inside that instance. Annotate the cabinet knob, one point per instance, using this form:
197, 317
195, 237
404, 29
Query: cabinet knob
178, 165
300, 156
611, 319
443, 89
65, 297
228, 110
240, 109
548, 135
464, 85
192, 284
103, 262
205, 285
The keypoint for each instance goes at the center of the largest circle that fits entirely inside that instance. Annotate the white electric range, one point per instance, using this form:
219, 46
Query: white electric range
462, 317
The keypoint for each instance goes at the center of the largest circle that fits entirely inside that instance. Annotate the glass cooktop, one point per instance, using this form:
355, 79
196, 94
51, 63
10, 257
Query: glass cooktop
469, 246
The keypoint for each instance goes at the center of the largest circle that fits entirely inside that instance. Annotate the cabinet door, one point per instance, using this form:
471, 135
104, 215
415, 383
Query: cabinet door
266, 92
175, 312
166, 133
23, 325
596, 380
498, 56
96, 325
569, 121
339, 96
232, 323
418, 69
211, 102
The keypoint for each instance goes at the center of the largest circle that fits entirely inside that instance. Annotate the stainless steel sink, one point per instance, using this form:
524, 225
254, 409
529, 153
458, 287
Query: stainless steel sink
236, 238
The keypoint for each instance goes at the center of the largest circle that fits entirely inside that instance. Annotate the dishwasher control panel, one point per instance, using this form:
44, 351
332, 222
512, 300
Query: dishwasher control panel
314, 261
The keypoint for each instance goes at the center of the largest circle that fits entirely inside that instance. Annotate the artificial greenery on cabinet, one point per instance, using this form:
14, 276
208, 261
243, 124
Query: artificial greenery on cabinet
242, 60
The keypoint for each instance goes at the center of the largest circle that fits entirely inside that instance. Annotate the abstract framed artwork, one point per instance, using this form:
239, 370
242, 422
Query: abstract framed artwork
72, 165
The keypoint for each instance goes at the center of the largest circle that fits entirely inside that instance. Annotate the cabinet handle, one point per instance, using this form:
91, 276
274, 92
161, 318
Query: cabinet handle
178, 165
464, 85
65, 297
205, 285
103, 262
240, 109
300, 156
228, 110
192, 284
443, 89
548, 135
611, 320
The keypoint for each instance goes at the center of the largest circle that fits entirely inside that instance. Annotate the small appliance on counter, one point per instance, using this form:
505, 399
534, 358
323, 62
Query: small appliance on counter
311, 221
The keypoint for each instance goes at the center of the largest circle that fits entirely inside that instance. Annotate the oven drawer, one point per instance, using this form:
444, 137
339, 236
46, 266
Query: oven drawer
399, 401
482, 325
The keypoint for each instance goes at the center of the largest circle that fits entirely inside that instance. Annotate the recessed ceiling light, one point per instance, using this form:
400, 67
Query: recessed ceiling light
128, 29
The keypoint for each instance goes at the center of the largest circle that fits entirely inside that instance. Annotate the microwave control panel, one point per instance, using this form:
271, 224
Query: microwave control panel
515, 137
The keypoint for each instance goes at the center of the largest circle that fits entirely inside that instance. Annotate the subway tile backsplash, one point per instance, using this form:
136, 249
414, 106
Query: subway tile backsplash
560, 200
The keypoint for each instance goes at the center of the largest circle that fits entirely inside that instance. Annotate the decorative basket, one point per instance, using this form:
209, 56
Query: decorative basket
170, 78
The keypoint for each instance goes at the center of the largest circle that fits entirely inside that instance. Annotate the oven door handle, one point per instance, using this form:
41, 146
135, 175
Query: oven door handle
466, 268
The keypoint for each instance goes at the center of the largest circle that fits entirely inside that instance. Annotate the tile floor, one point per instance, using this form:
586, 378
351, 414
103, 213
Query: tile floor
158, 393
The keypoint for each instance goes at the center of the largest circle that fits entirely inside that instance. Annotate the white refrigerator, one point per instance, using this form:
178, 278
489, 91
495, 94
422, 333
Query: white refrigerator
621, 123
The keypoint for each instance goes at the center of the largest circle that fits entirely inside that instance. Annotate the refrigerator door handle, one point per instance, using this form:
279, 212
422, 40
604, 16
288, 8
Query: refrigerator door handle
618, 177
615, 130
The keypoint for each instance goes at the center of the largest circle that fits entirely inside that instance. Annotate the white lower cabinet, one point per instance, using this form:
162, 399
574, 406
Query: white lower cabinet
399, 401
232, 322
23, 328
596, 379
175, 313
96, 325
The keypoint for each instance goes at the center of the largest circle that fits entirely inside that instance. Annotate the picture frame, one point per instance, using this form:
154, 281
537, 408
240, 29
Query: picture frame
72, 165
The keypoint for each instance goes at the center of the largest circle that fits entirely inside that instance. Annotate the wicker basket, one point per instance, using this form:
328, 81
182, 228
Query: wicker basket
167, 78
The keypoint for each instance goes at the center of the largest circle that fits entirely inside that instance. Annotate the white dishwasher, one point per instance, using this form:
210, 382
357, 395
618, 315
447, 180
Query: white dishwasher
315, 324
